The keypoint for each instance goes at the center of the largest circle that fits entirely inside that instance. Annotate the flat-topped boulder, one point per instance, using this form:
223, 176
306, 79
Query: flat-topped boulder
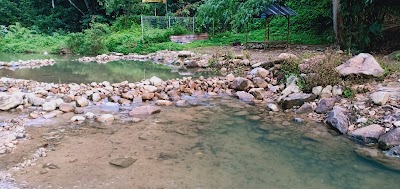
367, 135
9, 101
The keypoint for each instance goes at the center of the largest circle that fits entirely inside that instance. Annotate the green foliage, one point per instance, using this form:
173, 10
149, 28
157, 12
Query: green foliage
90, 41
16, 38
348, 92
397, 57
323, 73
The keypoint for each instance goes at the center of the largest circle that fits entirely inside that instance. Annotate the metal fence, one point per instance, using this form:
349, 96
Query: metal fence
165, 22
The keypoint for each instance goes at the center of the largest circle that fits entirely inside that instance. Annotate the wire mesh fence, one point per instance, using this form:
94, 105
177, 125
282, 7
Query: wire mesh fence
151, 23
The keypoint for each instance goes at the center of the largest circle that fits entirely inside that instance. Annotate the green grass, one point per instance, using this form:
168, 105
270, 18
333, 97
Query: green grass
101, 39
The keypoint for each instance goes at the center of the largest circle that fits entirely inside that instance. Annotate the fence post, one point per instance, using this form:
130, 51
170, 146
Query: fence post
142, 24
169, 22
193, 24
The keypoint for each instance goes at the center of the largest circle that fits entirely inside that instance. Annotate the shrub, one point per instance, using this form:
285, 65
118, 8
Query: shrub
323, 73
90, 41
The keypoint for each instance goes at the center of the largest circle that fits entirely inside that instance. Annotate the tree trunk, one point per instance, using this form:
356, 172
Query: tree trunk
77, 8
52, 3
87, 5
335, 12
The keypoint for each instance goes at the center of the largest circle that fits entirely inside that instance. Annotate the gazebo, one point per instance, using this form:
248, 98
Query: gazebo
268, 14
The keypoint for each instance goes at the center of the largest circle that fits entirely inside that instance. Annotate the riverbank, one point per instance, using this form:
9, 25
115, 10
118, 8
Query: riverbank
370, 117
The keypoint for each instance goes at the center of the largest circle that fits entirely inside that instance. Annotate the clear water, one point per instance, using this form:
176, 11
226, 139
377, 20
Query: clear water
67, 70
240, 152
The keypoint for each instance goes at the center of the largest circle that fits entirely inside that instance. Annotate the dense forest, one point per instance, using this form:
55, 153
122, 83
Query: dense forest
96, 26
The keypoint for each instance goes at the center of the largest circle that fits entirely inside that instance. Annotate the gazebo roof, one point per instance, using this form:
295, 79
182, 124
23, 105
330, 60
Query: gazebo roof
277, 10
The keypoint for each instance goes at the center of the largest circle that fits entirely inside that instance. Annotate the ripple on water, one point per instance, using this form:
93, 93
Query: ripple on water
248, 153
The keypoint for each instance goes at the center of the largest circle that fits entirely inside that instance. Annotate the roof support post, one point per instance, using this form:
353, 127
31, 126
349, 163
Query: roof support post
247, 33
288, 32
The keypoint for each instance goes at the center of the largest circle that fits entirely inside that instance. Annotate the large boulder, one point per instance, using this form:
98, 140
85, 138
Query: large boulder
241, 84
296, 99
338, 119
390, 139
144, 110
34, 100
10, 101
362, 64
324, 105
367, 135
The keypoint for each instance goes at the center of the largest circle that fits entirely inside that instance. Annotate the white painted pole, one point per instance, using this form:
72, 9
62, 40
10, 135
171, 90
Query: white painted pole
141, 22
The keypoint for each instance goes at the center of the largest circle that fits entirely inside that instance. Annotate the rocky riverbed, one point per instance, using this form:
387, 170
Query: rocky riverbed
23, 64
371, 118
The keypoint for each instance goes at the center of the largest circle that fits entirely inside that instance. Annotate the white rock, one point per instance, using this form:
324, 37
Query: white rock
82, 101
317, 90
156, 81
326, 92
273, 107
50, 106
150, 88
396, 123
89, 115
380, 98
105, 118
337, 90
96, 97
78, 118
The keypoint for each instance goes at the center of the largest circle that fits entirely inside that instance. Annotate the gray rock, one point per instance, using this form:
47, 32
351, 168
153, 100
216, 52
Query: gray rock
305, 109
144, 110
67, 107
34, 100
390, 139
182, 103
123, 162
258, 93
241, 84
245, 96
338, 119
10, 101
367, 135
393, 152
259, 72
324, 105
380, 98
362, 64
296, 99
259, 82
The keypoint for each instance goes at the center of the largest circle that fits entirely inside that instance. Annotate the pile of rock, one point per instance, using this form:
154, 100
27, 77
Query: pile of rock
185, 59
10, 132
26, 64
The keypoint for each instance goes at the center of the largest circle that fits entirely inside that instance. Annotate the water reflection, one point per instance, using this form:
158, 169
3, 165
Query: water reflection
66, 70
